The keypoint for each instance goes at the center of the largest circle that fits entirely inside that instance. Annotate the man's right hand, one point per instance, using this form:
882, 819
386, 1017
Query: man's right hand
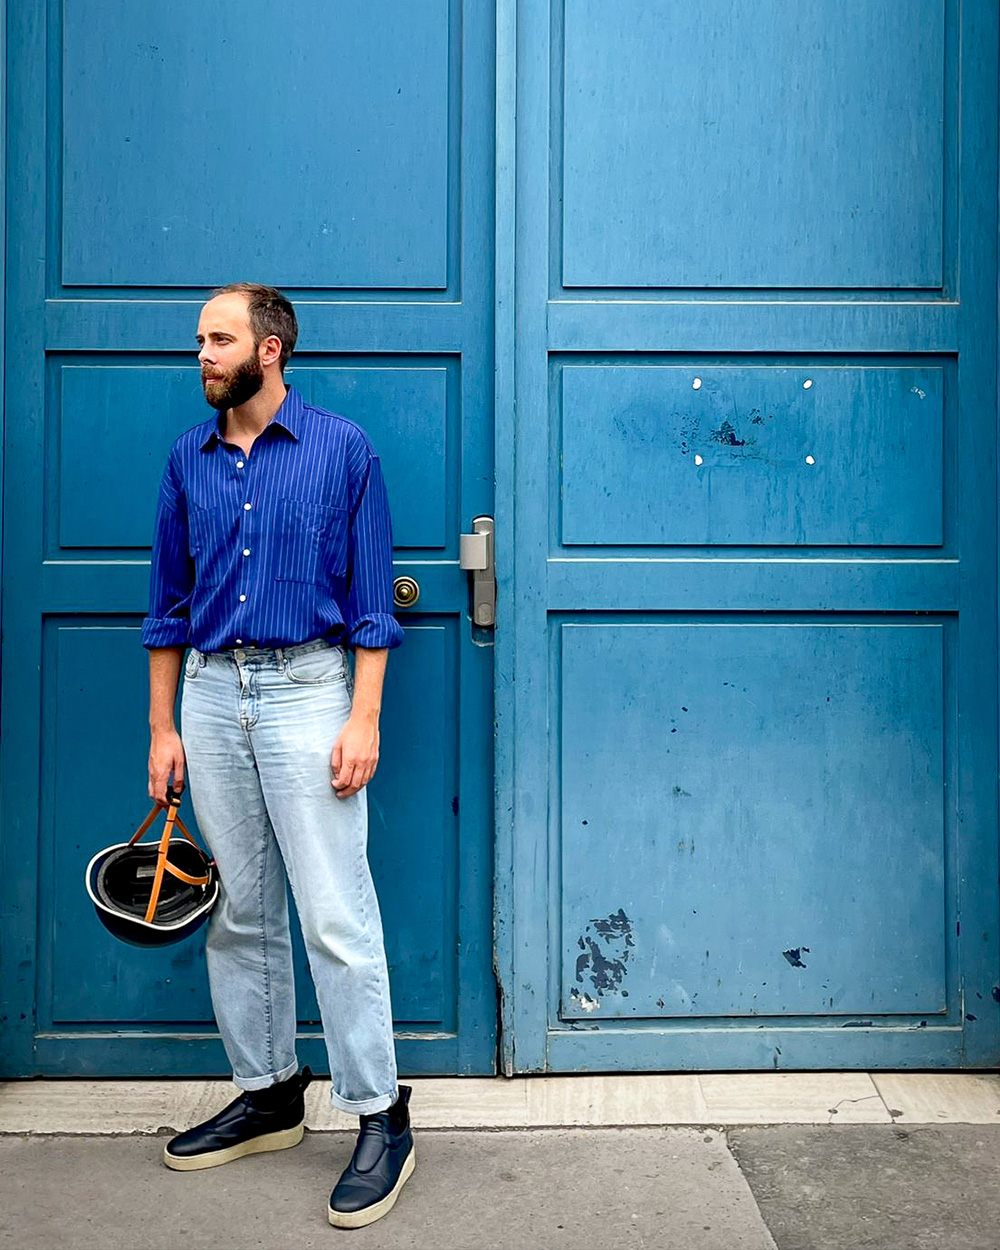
166, 765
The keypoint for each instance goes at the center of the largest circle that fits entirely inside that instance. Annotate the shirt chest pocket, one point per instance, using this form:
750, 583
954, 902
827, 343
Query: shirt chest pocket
311, 542
207, 544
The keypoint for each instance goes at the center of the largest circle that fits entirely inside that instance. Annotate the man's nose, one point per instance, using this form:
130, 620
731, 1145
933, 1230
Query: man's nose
205, 355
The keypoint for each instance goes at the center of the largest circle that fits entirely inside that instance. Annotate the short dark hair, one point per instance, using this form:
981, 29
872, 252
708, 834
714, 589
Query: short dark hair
269, 313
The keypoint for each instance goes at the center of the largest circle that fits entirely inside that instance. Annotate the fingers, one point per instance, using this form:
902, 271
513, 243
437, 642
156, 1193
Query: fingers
344, 782
161, 770
158, 787
353, 777
179, 770
354, 757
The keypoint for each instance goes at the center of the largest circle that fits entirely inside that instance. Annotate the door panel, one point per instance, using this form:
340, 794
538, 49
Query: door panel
752, 751
348, 162
339, 121
754, 147
747, 879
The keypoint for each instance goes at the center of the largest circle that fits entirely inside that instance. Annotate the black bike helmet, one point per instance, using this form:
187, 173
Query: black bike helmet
152, 894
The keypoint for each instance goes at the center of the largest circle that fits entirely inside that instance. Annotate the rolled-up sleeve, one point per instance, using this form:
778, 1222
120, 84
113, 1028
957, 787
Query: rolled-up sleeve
370, 619
171, 580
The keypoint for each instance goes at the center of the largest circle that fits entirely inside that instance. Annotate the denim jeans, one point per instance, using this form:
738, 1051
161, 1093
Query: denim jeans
258, 726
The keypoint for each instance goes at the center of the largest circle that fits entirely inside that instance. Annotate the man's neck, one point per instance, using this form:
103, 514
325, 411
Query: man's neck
245, 423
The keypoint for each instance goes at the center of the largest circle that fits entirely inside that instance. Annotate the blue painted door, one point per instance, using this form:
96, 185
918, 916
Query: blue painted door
345, 155
752, 624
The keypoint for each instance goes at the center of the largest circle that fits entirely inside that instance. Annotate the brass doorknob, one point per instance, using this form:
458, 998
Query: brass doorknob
405, 592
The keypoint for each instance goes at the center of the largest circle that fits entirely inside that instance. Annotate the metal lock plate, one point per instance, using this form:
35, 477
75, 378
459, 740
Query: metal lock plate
475, 553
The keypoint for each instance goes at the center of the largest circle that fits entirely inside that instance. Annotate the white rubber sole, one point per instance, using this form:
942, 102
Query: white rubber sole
358, 1219
283, 1140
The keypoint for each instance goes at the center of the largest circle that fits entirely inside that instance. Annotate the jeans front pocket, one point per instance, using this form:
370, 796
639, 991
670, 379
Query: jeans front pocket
302, 531
319, 667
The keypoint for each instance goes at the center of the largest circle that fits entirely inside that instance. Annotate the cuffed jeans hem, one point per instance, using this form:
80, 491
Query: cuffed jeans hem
263, 1082
367, 1106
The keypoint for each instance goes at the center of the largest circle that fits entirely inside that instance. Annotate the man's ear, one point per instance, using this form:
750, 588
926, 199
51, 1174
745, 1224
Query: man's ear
270, 350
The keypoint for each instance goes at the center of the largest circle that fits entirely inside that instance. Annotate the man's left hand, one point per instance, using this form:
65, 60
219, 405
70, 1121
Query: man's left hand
354, 757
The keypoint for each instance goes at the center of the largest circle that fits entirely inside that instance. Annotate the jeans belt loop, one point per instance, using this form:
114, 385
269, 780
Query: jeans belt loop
279, 655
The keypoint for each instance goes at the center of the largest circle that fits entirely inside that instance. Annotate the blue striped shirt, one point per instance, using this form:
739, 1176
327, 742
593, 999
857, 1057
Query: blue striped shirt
289, 543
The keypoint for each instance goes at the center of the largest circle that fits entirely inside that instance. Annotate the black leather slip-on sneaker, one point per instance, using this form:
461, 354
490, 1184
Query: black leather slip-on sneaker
383, 1161
254, 1122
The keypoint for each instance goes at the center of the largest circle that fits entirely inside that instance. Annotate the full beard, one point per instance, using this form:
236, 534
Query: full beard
235, 387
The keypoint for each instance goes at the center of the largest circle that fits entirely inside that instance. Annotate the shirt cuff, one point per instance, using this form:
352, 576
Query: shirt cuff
378, 629
167, 631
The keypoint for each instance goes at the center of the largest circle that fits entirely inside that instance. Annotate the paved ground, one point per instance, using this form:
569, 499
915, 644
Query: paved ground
842, 1187
855, 1187
527, 1190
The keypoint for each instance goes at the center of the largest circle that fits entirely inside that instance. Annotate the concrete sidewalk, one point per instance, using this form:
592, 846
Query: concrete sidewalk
779, 1170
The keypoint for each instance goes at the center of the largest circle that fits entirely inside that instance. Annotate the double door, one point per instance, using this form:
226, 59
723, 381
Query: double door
700, 304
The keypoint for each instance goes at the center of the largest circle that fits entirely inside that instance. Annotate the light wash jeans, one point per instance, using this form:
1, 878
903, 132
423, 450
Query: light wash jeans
258, 726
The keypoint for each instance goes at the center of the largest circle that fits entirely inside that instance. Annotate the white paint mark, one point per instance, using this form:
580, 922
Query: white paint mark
810, 460
588, 1003
915, 390
696, 384
807, 383
698, 460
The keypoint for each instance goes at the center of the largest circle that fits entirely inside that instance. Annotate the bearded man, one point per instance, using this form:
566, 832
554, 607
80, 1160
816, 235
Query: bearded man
272, 557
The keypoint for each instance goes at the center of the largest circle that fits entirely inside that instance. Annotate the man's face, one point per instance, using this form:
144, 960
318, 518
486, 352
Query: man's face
231, 372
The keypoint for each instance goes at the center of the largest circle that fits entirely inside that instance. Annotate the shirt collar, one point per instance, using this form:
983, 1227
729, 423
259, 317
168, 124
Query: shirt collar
288, 418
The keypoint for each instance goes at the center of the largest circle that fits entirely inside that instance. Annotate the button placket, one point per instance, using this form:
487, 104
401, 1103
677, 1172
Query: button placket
247, 507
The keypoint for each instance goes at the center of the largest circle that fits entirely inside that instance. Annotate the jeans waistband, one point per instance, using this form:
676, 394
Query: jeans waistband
274, 653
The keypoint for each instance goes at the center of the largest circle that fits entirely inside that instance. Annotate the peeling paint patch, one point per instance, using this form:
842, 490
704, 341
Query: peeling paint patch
726, 434
584, 1000
794, 956
607, 945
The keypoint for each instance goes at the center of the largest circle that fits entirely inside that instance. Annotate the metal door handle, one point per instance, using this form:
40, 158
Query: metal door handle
405, 592
475, 553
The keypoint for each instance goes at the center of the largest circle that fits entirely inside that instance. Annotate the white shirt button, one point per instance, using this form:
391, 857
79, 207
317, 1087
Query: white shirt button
239, 464
246, 551
239, 642
243, 598
246, 507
